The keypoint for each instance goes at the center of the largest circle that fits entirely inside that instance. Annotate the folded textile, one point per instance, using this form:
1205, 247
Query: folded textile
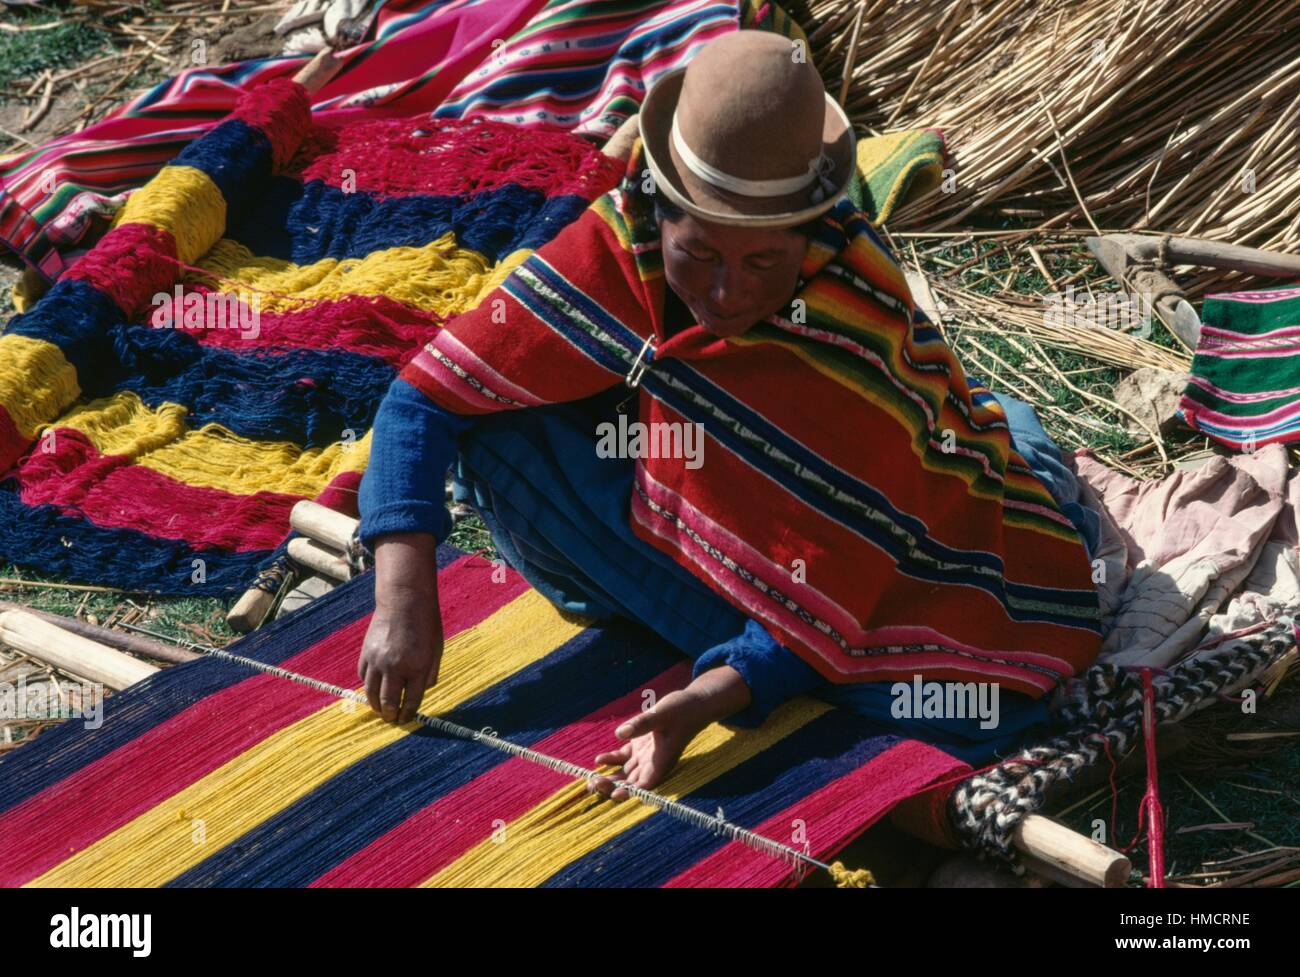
1194, 556
1244, 389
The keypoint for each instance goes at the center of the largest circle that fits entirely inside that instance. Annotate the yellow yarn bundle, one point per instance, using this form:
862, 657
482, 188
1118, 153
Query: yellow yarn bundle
211, 456
439, 277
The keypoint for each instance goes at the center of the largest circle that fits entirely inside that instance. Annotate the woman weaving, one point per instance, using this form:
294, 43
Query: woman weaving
858, 514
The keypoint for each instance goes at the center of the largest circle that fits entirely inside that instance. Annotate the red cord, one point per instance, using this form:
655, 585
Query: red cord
1151, 799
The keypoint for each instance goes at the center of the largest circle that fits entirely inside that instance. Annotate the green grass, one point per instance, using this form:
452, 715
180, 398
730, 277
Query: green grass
175, 617
995, 273
25, 54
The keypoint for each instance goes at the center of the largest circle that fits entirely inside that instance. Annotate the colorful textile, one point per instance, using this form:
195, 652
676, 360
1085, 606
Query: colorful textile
858, 496
897, 166
209, 774
1244, 389
167, 459
543, 64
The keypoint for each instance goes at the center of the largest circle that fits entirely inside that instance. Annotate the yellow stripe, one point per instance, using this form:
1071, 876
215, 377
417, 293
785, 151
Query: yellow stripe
212, 456
36, 382
183, 201
439, 277
571, 823
229, 802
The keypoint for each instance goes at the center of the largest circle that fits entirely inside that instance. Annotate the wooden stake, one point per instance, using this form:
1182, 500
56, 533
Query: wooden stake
120, 640
1065, 856
323, 524
319, 559
69, 652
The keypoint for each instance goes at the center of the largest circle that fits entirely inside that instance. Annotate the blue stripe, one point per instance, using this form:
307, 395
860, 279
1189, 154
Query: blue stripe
559, 320
309, 397
71, 548
307, 222
237, 158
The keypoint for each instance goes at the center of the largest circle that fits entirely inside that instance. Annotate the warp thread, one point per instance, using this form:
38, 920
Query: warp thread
717, 823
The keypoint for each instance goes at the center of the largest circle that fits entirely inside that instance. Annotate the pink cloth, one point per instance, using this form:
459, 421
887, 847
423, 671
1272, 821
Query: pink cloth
1187, 559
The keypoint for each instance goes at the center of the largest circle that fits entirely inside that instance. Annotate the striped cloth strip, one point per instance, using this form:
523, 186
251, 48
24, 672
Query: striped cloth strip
1244, 388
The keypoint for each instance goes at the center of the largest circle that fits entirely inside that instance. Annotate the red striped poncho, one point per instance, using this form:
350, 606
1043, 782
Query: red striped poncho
858, 496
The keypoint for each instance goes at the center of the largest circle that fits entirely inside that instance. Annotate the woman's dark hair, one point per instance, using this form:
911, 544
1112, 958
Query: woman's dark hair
665, 209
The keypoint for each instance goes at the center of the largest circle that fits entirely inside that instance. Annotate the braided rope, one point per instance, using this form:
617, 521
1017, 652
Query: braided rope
1102, 714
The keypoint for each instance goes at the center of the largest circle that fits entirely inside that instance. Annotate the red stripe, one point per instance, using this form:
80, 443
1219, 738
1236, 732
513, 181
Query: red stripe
87, 805
281, 110
434, 837
12, 443
112, 491
388, 158
832, 817
369, 325
130, 264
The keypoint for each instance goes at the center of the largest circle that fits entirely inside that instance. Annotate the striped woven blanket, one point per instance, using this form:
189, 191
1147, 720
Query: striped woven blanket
209, 774
539, 64
1244, 389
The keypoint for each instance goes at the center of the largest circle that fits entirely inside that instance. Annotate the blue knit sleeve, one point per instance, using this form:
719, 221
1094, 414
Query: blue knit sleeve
413, 444
773, 672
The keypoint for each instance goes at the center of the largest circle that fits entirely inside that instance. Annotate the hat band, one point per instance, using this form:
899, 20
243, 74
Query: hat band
754, 188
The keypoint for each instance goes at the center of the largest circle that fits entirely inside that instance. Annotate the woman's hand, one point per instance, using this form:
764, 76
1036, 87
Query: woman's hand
657, 737
403, 646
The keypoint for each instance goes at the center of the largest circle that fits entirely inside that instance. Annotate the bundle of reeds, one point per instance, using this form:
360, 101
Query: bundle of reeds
1171, 115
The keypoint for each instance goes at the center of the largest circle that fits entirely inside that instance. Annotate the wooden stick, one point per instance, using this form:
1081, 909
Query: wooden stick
324, 525
252, 609
70, 652
120, 640
1065, 856
319, 559
317, 72
1216, 254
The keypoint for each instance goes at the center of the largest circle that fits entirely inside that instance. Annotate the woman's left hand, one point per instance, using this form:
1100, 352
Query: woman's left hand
657, 737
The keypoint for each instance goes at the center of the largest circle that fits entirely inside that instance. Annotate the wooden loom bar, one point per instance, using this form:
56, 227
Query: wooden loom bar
70, 652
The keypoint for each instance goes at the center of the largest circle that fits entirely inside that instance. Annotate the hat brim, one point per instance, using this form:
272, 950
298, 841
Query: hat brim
710, 203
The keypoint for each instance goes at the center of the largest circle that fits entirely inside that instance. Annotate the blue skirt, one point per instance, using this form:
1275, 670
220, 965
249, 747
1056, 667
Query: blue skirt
559, 515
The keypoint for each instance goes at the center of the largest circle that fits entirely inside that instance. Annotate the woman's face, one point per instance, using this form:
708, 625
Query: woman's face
730, 277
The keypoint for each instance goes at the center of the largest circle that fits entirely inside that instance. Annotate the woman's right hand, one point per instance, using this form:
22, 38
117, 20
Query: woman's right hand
403, 645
